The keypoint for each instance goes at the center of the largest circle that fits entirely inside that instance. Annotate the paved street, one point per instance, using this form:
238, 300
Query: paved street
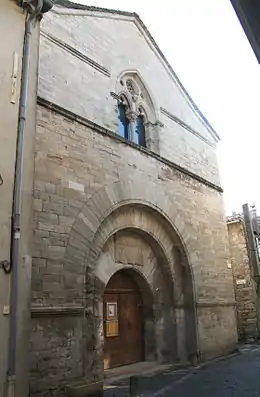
237, 376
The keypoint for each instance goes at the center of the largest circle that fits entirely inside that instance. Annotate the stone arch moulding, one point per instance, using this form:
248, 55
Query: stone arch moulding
122, 206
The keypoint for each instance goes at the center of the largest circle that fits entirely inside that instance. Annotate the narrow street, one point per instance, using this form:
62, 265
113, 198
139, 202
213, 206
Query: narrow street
237, 376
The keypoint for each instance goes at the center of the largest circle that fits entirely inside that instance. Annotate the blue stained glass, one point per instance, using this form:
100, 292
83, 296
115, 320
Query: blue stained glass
140, 131
123, 123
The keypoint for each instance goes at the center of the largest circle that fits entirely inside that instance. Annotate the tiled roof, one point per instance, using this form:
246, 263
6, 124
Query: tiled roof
235, 217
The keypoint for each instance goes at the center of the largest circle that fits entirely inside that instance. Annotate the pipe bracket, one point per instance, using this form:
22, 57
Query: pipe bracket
6, 266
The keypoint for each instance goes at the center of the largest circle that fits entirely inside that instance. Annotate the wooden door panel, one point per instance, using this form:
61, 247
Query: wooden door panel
127, 346
131, 324
112, 346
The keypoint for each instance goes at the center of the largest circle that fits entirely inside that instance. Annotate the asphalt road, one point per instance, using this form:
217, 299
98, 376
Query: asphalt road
238, 376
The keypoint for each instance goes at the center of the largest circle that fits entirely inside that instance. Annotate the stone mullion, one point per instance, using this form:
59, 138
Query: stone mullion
132, 116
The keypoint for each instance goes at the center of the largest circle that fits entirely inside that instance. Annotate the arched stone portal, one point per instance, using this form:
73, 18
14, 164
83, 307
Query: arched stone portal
135, 235
132, 252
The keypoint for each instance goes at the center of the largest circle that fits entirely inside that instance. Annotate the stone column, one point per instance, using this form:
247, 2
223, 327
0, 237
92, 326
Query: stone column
132, 116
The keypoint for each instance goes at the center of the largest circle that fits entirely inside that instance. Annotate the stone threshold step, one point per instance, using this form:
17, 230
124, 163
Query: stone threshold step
144, 368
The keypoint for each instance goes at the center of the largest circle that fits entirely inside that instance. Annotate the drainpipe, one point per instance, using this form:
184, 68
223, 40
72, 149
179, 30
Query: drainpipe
253, 258
34, 12
251, 243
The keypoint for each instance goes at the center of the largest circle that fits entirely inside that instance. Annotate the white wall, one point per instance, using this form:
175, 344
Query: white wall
117, 45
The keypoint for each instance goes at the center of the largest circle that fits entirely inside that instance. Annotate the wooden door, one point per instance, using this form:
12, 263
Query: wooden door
122, 322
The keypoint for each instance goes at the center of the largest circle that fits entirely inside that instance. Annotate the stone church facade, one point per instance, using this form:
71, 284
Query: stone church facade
130, 244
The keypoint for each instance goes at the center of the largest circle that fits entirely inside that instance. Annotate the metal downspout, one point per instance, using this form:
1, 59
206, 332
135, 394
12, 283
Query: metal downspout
17, 201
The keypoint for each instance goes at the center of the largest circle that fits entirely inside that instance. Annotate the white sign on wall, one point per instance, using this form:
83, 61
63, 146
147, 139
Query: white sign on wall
240, 282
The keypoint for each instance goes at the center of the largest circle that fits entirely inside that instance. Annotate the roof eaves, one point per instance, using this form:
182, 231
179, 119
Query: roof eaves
76, 6
250, 27
234, 218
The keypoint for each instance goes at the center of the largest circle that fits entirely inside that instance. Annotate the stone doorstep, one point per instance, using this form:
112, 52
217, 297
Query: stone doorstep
144, 368
82, 388
149, 369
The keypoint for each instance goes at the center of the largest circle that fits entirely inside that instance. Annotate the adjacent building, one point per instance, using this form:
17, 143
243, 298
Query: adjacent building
248, 13
244, 283
19, 30
243, 232
12, 26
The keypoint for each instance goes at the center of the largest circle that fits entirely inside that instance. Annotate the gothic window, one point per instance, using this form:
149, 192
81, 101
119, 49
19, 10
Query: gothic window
136, 112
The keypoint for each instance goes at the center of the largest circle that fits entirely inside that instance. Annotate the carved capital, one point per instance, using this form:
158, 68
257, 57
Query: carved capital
131, 115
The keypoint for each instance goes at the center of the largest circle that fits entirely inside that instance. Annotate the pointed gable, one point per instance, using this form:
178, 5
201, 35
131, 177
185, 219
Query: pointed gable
84, 51
105, 17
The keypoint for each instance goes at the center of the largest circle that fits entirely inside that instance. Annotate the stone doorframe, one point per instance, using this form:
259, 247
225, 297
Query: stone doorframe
121, 206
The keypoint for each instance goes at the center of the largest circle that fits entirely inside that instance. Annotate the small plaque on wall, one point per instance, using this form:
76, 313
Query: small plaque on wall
240, 281
111, 310
112, 328
111, 320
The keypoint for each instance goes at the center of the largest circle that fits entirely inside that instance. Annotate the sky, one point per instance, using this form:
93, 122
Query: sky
207, 47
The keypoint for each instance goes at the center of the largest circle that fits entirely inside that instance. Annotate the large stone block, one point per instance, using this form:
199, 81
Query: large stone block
56, 354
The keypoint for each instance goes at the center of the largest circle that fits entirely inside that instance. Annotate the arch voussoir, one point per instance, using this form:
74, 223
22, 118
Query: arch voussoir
81, 231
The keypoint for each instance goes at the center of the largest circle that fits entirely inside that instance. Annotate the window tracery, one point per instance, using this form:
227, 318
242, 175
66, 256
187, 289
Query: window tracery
137, 120
131, 115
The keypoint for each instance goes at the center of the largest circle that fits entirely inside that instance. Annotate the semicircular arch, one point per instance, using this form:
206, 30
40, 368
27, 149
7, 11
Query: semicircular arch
126, 206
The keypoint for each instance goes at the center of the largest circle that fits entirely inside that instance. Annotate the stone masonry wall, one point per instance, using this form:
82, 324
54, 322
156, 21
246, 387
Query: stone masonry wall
73, 164
68, 153
55, 353
244, 285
